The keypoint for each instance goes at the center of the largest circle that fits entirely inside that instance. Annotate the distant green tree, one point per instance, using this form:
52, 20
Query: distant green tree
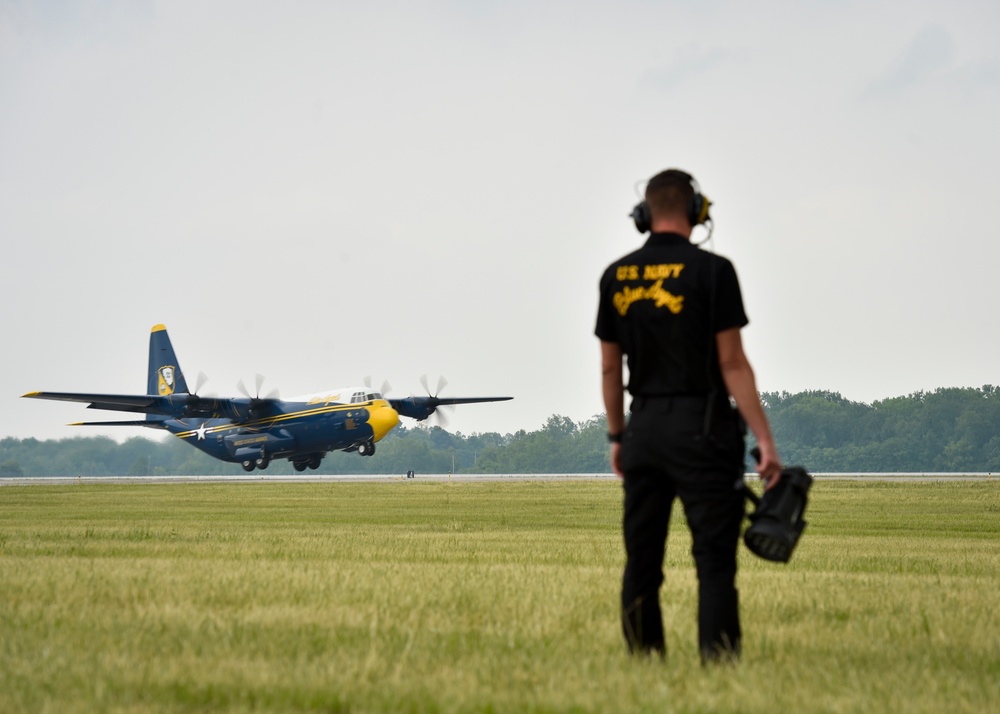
10, 468
944, 430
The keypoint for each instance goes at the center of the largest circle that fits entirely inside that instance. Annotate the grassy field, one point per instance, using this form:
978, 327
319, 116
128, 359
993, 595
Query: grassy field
409, 596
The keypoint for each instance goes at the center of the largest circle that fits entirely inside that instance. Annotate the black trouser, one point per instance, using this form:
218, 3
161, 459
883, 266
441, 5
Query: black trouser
670, 449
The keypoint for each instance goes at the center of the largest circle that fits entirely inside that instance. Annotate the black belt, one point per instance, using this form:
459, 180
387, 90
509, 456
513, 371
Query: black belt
708, 399
673, 395
677, 397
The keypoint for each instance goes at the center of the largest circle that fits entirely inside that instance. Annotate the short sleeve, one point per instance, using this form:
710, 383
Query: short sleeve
728, 308
607, 323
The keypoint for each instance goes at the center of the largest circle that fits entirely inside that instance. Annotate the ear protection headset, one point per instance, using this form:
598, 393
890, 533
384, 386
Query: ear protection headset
697, 208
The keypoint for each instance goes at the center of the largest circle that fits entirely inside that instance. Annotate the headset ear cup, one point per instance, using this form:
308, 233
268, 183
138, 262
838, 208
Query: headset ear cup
641, 217
698, 210
694, 209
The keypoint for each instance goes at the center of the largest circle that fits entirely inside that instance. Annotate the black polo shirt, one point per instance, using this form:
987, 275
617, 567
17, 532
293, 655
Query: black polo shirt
664, 304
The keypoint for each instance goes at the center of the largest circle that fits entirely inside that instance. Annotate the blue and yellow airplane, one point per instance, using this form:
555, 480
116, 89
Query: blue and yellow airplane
254, 430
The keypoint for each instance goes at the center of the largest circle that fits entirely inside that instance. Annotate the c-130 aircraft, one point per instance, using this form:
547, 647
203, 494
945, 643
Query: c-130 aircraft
254, 430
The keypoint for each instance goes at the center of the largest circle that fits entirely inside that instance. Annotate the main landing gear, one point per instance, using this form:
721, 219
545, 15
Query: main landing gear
367, 448
311, 462
251, 464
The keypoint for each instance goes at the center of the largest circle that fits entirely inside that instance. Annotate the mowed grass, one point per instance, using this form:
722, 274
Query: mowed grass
410, 596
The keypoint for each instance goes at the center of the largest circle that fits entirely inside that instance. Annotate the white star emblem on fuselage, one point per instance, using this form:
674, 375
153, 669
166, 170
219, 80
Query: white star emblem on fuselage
201, 431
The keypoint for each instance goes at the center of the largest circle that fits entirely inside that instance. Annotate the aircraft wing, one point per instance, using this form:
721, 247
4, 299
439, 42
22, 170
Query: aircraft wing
172, 405
420, 408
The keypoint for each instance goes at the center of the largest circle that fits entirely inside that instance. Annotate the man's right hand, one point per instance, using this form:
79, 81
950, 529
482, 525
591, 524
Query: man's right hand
616, 460
769, 466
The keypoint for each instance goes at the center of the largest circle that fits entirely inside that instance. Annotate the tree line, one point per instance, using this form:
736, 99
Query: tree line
947, 430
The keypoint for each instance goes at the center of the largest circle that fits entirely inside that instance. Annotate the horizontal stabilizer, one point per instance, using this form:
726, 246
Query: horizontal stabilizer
116, 402
158, 424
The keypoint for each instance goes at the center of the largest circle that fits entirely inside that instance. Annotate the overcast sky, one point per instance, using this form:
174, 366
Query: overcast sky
324, 191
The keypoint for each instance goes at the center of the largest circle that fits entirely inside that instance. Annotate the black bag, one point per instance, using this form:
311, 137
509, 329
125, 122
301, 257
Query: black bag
777, 523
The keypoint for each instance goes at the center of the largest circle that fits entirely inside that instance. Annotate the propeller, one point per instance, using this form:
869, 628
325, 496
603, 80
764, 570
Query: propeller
196, 404
200, 382
438, 415
259, 383
386, 387
258, 405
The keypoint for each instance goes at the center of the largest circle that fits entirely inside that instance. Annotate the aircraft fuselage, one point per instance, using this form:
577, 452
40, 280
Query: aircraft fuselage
300, 431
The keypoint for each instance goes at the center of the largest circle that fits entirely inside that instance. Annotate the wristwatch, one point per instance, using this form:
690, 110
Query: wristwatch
615, 438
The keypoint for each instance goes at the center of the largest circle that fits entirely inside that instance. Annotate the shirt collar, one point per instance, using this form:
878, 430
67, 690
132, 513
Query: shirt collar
666, 239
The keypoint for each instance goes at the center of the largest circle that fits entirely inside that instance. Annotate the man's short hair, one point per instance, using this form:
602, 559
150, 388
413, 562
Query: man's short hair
670, 193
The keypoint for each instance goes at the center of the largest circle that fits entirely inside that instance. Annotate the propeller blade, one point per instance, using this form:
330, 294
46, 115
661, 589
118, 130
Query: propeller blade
259, 383
442, 383
386, 387
440, 415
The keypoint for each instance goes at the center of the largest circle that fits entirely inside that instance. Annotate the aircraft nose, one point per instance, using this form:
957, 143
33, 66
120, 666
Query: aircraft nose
382, 419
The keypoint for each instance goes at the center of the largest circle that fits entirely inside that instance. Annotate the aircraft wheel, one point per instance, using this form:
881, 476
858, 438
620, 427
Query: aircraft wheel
367, 448
263, 463
314, 462
299, 465
249, 465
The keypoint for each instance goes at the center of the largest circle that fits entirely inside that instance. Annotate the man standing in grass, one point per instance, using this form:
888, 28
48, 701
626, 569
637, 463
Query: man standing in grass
675, 312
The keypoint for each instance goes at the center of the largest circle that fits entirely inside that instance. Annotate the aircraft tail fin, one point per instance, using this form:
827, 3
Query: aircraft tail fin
165, 375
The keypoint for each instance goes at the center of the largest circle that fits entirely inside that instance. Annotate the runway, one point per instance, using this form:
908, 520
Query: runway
257, 477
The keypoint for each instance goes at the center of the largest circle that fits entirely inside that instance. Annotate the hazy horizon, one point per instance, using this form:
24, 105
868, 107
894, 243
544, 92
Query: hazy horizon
323, 192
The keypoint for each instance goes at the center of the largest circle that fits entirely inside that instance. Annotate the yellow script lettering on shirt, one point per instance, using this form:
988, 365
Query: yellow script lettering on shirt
663, 298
